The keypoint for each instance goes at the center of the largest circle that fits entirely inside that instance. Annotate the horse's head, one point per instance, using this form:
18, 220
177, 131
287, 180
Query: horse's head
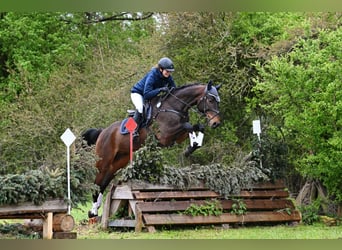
209, 104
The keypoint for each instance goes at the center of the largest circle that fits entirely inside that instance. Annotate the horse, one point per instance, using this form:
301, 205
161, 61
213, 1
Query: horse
170, 112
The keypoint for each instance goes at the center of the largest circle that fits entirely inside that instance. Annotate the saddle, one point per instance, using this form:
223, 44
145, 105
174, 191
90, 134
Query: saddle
147, 118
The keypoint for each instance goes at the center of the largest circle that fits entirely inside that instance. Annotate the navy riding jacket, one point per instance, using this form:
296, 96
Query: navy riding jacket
149, 86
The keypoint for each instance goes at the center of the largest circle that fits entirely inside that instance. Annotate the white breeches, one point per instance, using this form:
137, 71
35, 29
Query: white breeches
138, 101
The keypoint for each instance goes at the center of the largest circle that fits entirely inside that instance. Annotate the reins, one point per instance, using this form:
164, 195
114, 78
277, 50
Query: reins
185, 115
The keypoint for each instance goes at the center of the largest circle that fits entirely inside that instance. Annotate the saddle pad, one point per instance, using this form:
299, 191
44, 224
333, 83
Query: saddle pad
123, 129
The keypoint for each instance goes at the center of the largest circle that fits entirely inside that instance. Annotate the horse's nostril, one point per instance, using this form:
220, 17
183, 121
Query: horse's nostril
215, 125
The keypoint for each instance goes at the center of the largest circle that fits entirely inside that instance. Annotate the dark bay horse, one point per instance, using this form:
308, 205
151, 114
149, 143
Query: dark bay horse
171, 118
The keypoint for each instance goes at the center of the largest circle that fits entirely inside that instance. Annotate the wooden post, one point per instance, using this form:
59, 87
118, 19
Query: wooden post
47, 226
138, 219
105, 210
339, 210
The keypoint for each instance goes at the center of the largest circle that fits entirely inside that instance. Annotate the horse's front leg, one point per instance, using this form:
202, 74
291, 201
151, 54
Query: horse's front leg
191, 149
191, 129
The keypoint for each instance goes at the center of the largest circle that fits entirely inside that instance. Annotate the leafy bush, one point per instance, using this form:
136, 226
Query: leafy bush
50, 181
310, 212
239, 207
147, 164
225, 180
300, 93
212, 207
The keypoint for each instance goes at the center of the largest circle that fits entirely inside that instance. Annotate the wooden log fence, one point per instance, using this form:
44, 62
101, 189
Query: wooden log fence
56, 222
155, 205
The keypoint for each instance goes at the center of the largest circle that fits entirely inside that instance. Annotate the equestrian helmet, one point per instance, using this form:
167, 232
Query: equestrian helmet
166, 63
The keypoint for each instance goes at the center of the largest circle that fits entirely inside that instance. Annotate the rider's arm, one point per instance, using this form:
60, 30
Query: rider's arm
150, 89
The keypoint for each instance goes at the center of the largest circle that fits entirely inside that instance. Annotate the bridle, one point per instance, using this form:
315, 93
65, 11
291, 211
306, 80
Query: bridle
204, 99
206, 106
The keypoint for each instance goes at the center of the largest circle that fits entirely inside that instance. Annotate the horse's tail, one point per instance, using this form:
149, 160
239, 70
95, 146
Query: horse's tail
91, 135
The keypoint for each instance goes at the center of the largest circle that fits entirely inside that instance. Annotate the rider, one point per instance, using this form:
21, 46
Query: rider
157, 80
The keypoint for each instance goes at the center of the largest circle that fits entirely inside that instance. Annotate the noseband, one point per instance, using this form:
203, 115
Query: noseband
206, 106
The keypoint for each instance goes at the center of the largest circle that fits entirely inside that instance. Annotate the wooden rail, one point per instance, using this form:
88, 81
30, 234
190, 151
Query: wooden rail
153, 205
52, 212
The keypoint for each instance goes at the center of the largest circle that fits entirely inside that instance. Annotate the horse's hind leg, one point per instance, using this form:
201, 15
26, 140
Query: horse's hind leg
103, 180
97, 196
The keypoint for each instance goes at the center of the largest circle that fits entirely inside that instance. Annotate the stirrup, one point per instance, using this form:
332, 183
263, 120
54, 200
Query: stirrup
135, 134
130, 112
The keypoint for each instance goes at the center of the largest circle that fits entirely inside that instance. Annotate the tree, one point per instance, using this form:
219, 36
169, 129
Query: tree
32, 46
224, 47
302, 92
54, 62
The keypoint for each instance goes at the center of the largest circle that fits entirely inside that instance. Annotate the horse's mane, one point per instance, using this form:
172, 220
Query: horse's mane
187, 86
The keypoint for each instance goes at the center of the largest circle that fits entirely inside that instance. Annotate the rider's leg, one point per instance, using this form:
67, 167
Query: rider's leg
138, 117
138, 102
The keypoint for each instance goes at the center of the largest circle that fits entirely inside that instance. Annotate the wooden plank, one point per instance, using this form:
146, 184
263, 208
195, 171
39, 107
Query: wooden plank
23, 216
145, 186
261, 204
58, 205
116, 205
64, 235
122, 223
175, 195
263, 194
171, 206
164, 219
131, 207
122, 192
208, 194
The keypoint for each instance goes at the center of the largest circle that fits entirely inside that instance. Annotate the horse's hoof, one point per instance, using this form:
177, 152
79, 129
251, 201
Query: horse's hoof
187, 153
91, 215
92, 221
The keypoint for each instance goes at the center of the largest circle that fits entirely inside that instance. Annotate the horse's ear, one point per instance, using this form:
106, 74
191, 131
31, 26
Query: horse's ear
218, 86
210, 83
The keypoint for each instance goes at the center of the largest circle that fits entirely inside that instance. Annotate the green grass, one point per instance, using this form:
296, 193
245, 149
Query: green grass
316, 231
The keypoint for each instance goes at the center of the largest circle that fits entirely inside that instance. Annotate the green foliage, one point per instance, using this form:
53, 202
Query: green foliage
225, 180
212, 207
272, 150
260, 29
33, 186
17, 231
60, 70
50, 181
238, 207
32, 46
301, 92
226, 46
310, 213
58, 92
147, 165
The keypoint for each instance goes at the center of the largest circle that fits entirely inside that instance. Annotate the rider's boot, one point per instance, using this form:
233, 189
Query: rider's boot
138, 119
